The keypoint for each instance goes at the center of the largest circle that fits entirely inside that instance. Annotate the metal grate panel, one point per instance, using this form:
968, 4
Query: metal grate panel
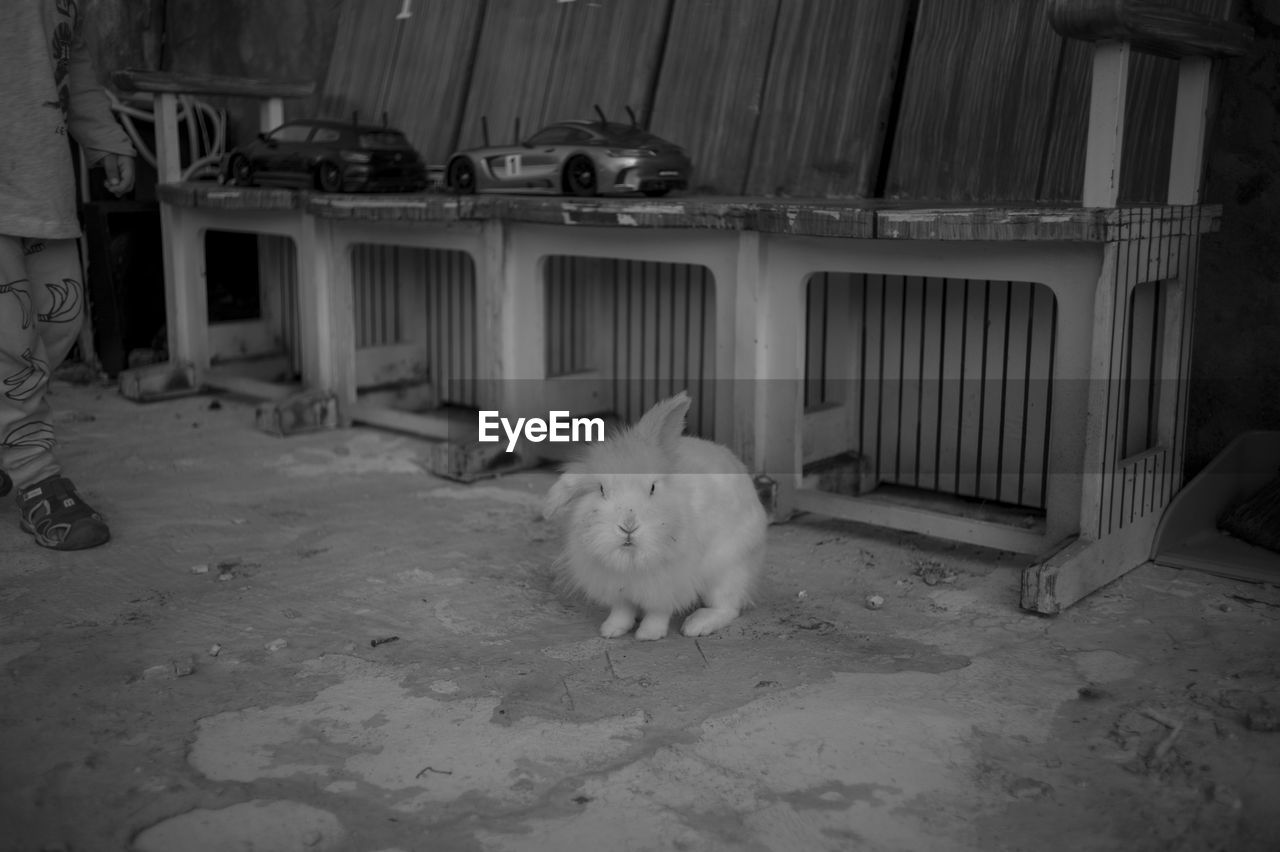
946, 381
648, 327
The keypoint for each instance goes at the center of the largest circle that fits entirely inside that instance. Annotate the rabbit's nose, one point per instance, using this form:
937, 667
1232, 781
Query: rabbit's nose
628, 527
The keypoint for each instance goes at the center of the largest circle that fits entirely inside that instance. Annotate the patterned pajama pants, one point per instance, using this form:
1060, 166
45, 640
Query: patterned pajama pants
41, 309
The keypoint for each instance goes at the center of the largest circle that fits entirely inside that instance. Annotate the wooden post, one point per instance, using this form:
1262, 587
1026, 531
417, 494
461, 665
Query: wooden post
326, 315
1118, 26
746, 365
168, 153
515, 262
780, 391
490, 359
1190, 124
1105, 144
186, 305
270, 114
1101, 415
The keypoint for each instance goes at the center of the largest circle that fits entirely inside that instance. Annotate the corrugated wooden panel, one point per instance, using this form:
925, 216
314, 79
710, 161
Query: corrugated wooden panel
431, 74
649, 328
1062, 169
976, 102
360, 67
450, 281
403, 295
1148, 140
950, 379
416, 69
712, 80
827, 96
770, 97
621, 42
543, 61
278, 282
376, 282
574, 290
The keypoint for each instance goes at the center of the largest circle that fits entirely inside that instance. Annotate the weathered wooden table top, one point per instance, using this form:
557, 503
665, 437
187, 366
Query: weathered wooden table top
821, 217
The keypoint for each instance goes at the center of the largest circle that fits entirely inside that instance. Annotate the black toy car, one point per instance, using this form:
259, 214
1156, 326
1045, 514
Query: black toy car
574, 157
331, 156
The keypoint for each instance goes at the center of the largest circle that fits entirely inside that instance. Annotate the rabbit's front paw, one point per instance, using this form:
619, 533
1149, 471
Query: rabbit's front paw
707, 620
620, 621
653, 626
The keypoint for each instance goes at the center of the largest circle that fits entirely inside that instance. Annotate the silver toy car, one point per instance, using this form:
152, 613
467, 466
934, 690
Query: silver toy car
574, 158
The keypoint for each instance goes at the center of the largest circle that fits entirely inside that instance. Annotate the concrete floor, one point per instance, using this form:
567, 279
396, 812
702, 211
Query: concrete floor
498, 720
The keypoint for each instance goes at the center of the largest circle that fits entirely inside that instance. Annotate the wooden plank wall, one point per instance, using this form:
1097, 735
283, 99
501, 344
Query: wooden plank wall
360, 66
948, 100
826, 102
427, 90
976, 101
408, 69
715, 116
543, 61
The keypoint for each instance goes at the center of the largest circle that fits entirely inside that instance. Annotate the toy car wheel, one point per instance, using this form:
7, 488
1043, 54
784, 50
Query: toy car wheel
656, 193
580, 175
462, 176
239, 170
328, 177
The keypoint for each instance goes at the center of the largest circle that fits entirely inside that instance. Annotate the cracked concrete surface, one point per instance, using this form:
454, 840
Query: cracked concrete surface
210, 680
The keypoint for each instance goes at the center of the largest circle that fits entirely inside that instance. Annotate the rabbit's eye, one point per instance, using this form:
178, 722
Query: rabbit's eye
652, 487
601, 489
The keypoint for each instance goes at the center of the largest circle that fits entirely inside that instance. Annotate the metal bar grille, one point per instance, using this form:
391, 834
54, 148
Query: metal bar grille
648, 327
450, 281
278, 277
405, 295
946, 381
1150, 341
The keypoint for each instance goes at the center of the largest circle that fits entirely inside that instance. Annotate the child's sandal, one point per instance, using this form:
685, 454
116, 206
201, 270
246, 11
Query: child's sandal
53, 512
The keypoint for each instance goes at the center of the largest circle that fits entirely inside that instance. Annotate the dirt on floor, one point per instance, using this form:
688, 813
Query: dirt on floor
310, 643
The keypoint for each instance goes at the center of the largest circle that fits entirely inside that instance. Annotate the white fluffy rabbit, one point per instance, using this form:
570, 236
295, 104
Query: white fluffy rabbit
659, 521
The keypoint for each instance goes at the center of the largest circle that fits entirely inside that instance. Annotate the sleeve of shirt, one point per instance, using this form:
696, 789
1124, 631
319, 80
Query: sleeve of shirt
90, 120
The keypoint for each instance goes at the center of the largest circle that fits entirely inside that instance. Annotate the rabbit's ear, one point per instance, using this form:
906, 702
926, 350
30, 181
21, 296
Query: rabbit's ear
664, 423
564, 491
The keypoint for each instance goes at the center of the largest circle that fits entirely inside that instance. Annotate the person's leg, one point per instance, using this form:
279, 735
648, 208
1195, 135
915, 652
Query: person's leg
26, 430
26, 438
41, 308
15, 336
58, 293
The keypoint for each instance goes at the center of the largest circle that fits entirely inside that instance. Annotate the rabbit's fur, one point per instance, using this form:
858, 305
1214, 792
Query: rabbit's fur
659, 521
